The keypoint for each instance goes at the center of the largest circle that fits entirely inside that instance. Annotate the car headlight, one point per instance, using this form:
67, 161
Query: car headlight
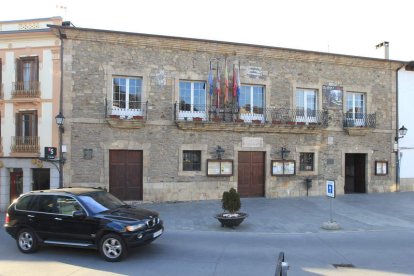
135, 227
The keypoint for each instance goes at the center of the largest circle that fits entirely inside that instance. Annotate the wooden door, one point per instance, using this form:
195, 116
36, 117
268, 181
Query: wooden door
125, 174
251, 172
16, 184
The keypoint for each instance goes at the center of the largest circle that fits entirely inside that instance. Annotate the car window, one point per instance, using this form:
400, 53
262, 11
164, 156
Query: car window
23, 203
101, 201
67, 205
47, 204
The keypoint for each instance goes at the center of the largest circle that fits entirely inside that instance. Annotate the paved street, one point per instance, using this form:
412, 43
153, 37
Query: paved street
377, 238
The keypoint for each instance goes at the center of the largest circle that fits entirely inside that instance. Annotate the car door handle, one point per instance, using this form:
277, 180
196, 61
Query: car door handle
58, 219
30, 216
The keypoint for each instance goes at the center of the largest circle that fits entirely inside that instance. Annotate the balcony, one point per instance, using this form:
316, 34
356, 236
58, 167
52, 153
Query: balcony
25, 144
119, 117
359, 124
233, 118
26, 89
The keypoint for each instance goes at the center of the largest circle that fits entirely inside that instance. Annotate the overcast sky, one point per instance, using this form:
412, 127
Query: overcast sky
351, 27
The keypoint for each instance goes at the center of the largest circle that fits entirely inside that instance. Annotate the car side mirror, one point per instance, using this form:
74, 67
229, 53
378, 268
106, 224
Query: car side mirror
78, 214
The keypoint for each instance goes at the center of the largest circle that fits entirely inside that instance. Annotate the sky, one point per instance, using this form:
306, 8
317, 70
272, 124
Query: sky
350, 27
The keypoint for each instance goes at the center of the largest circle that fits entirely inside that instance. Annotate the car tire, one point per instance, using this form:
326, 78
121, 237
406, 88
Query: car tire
112, 248
27, 241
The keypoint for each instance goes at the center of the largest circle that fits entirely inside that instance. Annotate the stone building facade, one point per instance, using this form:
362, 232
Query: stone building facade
141, 121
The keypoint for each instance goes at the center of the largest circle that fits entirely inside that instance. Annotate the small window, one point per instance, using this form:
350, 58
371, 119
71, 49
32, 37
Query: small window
191, 160
306, 161
23, 203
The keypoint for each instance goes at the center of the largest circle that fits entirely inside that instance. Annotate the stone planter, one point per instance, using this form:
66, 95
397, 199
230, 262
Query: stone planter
137, 117
256, 122
231, 220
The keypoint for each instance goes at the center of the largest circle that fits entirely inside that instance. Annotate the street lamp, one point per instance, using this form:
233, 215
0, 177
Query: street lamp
402, 131
60, 119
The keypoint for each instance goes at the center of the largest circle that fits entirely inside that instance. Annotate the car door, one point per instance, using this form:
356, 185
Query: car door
43, 219
74, 229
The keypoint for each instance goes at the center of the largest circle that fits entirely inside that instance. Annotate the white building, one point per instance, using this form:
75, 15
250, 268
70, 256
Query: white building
29, 101
406, 118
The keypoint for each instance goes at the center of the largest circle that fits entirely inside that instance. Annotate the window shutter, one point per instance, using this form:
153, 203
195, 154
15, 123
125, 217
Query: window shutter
34, 123
19, 70
35, 69
18, 124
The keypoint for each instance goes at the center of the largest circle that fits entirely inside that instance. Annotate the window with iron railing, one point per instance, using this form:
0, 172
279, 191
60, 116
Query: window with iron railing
252, 102
306, 161
191, 160
192, 99
126, 96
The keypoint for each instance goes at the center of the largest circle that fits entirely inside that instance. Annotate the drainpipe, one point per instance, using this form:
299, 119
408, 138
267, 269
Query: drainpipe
397, 152
61, 160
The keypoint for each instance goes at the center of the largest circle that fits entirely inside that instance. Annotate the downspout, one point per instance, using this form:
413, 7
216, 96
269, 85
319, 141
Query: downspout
61, 159
397, 157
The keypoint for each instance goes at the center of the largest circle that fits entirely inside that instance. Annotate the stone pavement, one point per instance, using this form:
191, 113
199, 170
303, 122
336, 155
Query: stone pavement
353, 212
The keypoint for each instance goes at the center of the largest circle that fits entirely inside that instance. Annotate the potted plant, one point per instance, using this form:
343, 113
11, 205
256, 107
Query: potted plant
231, 204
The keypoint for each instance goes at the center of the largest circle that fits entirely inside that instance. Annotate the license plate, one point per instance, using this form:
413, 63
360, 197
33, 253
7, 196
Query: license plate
158, 233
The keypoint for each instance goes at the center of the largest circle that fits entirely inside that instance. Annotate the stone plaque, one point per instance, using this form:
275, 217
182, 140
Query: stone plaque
252, 142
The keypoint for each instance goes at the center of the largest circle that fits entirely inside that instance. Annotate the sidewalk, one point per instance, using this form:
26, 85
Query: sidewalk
353, 212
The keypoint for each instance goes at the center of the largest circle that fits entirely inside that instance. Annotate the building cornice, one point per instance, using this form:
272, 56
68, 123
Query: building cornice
220, 47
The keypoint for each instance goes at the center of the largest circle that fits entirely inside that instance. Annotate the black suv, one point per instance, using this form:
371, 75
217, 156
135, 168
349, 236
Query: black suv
80, 217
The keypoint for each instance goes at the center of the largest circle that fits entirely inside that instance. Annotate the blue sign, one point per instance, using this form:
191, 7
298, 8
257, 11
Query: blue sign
330, 188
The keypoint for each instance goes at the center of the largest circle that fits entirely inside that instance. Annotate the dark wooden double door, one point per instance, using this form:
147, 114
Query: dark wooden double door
251, 174
125, 174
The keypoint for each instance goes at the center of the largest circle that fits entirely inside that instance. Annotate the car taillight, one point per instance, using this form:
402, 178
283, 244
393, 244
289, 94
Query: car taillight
7, 220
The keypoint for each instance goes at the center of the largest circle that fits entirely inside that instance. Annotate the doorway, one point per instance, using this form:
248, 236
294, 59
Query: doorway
251, 174
355, 173
41, 179
16, 183
125, 174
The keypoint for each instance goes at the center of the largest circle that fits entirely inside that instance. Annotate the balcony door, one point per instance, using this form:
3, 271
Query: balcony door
252, 102
355, 109
27, 75
192, 100
306, 106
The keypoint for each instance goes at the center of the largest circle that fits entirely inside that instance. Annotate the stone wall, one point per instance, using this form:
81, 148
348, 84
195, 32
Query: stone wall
96, 56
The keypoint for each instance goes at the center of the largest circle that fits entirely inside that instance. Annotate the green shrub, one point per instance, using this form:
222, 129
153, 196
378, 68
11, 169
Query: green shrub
231, 201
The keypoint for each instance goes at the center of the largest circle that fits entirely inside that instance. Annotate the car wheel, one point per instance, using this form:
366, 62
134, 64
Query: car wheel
112, 248
27, 241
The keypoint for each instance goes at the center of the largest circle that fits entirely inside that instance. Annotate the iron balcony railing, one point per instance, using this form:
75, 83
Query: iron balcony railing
351, 120
26, 89
26, 144
135, 111
268, 115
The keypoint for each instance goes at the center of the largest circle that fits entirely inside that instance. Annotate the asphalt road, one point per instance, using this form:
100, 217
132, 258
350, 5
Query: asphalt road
375, 238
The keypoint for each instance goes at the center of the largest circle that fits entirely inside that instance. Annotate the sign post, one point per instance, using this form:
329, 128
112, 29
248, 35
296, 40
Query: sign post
331, 193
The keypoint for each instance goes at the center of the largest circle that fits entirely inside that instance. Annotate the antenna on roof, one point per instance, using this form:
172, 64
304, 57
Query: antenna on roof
386, 46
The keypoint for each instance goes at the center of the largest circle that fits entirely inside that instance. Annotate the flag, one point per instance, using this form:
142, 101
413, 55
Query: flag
234, 82
238, 81
218, 86
210, 80
226, 81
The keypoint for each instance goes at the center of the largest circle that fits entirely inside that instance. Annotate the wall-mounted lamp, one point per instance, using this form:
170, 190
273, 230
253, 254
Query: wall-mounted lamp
219, 151
402, 131
60, 119
284, 152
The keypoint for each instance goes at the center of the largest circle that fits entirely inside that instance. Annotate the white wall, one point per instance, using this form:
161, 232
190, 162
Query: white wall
406, 118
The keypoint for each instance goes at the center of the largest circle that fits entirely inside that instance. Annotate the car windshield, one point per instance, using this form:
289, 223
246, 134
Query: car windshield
101, 201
